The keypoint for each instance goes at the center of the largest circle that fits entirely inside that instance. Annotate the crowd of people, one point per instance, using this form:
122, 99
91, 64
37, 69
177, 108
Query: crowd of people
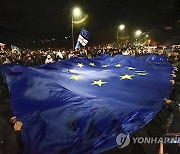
39, 57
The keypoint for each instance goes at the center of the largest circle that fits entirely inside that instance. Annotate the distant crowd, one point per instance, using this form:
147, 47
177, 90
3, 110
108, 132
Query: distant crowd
39, 57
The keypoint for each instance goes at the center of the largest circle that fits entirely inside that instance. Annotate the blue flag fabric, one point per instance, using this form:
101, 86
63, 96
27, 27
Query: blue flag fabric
81, 105
84, 33
78, 45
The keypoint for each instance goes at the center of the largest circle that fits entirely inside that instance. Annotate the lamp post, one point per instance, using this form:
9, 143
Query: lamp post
75, 13
137, 34
121, 28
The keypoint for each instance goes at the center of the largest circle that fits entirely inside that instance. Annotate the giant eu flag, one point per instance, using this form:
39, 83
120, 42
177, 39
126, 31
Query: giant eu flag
80, 105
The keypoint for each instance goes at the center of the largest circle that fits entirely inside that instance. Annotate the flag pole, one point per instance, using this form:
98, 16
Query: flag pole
72, 34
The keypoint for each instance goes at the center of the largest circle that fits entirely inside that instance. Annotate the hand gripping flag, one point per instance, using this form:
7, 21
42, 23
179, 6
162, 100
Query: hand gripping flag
82, 39
81, 105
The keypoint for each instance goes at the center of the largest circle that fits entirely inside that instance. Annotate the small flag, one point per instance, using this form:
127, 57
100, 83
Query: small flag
82, 39
15, 49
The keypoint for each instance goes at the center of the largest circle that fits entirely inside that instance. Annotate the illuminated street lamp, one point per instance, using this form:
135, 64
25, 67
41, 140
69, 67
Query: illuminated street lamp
138, 32
75, 13
121, 28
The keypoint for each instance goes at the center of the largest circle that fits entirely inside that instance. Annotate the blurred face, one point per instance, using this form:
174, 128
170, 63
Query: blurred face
160, 52
176, 54
176, 58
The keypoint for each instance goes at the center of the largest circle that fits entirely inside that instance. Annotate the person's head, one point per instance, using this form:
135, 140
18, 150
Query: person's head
160, 52
48, 56
176, 58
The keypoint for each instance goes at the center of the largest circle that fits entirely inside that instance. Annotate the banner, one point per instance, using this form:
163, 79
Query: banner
81, 105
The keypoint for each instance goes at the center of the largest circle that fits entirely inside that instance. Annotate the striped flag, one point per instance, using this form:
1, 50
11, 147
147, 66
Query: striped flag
82, 39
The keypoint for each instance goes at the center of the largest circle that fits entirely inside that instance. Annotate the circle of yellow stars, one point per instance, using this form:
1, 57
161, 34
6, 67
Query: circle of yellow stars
100, 82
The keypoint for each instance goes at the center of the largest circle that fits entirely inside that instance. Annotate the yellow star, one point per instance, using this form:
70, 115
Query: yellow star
75, 77
92, 64
80, 65
131, 68
140, 71
98, 82
118, 65
142, 74
105, 66
71, 70
126, 76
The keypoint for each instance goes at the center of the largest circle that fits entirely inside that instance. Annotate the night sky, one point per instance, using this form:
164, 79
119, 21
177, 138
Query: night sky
23, 21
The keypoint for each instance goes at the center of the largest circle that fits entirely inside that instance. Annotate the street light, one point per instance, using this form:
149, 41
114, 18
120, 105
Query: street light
121, 28
75, 13
138, 32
